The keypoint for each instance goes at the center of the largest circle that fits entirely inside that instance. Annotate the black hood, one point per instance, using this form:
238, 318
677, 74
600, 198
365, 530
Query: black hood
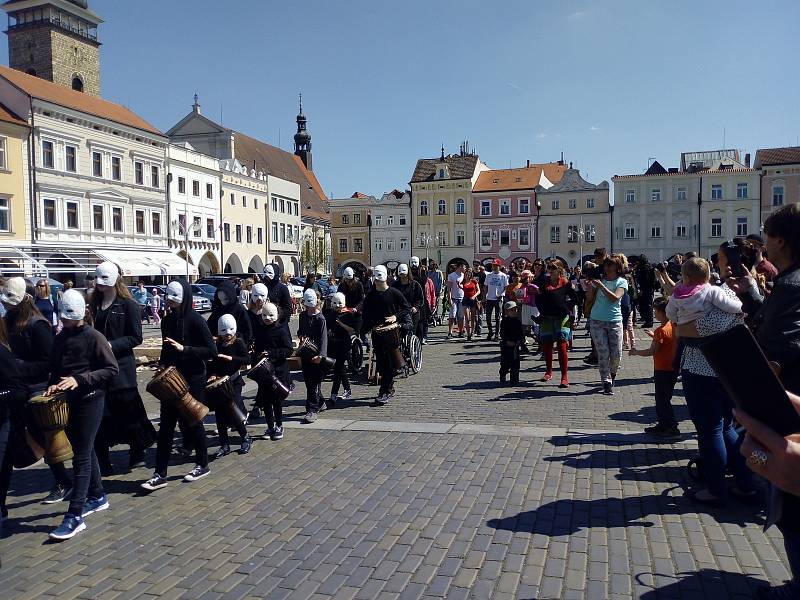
230, 292
186, 304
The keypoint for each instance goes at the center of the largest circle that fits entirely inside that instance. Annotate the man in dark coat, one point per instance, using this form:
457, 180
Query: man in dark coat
278, 294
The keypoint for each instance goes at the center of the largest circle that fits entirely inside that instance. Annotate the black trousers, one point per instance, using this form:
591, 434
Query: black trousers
493, 308
273, 408
509, 361
646, 307
422, 326
312, 376
340, 377
223, 420
385, 367
195, 434
665, 385
85, 414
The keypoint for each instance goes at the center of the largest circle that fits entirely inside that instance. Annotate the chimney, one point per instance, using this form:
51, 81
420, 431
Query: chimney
561, 162
747, 160
528, 165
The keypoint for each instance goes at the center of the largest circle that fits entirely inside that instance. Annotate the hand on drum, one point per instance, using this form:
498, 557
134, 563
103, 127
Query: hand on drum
316, 360
211, 378
66, 384
392, 319
178, 346
225, 357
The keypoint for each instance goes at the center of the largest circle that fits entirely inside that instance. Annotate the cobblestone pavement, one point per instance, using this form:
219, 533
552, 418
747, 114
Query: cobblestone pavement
336, 512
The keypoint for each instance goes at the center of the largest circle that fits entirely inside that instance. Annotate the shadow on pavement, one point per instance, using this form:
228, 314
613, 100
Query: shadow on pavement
708, 583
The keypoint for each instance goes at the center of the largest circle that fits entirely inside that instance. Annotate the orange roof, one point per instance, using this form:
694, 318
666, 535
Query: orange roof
8, 117
57, 94
522, 178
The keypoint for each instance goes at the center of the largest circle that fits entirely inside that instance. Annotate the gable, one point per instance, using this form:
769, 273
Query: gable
196, 124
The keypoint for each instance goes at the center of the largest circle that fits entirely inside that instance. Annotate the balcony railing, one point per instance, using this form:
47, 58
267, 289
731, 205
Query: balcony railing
89, 34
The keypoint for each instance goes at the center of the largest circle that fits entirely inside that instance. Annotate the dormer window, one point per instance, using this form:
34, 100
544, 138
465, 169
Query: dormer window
441, 173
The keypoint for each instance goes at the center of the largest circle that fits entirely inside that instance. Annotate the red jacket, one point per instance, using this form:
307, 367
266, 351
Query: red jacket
430, 293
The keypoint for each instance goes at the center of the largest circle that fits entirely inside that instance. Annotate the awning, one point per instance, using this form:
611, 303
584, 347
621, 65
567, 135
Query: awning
43, 261
147, 263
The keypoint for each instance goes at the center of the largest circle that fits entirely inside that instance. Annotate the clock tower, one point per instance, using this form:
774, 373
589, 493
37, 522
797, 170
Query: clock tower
55, 40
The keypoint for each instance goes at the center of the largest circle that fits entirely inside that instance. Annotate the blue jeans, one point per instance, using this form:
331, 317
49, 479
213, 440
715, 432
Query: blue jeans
710, 409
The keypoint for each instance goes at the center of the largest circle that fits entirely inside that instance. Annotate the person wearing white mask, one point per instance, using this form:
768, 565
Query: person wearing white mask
278, 294
341, 326
384, 305
312, 327
231, 356
117, 316
275, 340
186, 344
258, 298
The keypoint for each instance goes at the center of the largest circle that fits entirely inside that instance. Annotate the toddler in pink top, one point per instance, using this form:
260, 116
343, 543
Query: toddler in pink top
695, 296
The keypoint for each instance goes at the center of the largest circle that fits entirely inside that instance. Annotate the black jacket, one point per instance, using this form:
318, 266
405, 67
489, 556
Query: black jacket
32, 347
13, 390
190, 329
83, 353
232, 307
237, 351
378, 305
511, 330
277, 342
556, 303
315, 329
121, 325
338, 337
353, 291
279, 295
412, 292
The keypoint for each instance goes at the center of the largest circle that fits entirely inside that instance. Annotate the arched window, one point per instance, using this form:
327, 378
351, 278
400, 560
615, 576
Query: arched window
77, 84
442, 206
423, 207
460, 207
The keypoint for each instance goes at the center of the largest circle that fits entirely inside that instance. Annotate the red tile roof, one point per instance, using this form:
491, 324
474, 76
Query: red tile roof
789, 155
6, 116
522, 178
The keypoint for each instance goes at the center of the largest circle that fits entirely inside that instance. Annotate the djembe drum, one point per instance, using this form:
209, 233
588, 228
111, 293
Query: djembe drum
264, 375
169, 386
387, 338
221, 396
51, 415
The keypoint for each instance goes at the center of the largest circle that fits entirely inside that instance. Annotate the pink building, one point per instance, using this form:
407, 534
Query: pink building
505, 210
780, 178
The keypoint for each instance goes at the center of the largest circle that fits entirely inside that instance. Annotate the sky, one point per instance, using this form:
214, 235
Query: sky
611, 83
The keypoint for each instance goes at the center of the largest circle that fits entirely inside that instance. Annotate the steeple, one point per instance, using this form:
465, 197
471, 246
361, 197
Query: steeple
196, 105
302, 139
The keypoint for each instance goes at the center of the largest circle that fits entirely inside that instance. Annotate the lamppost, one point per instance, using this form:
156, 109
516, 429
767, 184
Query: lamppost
184, 229
538, 213
425, 239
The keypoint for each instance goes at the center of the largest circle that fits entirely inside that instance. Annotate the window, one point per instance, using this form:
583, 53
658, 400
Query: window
573, 203
555, 234
48, 160
505, 207
378, 220
486, 208
486, 238
274, 204
716, 191
630, 231
156, 223
655, 195
356, 218
260, 235
572, 234
97, 164
681, 193
343, 246
390, 220
210, 231
5, 216
460, 238
681, 229
402, 220
630, 196
777, 195
239, 233
589, 233
97, 217
555, 204
154, 177
403, 243
741, 226
358, 245
441, 238
3, 165
655, 230
716, 227
255, 203
233, 199
139, 221
524, 238
442, 207
116, 168
378, 244
741, 190
182, 224
283, 233
423, 207
197, 227
345, 219
244, 201
70, 156
505, 237
72, 215
274, 233
209, 191
441, 173
524, 206
181, 185
283, 205
195, 188
116, 219
390, 246
138, 170
226, 232
49, 207
461, 207
590, 203
249, 234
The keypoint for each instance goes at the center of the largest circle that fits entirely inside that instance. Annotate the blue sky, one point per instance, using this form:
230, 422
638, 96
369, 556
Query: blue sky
609, 83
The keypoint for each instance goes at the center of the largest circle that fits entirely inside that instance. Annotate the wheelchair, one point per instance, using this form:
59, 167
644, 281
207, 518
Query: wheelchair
411, 350
356, 360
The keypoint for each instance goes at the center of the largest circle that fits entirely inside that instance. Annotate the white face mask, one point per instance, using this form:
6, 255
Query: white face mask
175, 292
269, 313
223, 297
338, 301
226, 325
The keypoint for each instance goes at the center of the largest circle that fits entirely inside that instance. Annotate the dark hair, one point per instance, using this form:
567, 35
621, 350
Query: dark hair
617, 262
785, 224
3, 333
740, 249
660, 303
23, 314
600, 252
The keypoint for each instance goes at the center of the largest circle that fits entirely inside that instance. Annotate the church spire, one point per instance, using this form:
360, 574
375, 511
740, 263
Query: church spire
302, 139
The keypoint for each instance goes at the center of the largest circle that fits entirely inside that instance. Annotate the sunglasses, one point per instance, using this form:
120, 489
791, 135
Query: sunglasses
41, 285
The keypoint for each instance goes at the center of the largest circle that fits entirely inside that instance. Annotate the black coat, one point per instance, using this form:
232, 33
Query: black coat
234, 308
279, 295
83, 353
237, 351
121, 324
32, 347
277, 342
189, 329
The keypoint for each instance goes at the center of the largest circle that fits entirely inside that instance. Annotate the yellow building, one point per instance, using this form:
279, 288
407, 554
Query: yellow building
350, 231
14, 222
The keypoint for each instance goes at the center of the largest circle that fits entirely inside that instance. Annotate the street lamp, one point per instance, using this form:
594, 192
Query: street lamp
425, 239
184, 229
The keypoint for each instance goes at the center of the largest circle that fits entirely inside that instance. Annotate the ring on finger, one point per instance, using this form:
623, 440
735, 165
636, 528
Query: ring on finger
758, 457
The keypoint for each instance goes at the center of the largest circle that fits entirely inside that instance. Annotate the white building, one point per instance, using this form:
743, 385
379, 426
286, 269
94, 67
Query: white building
710, 198
283, 214
194, 199
391, 228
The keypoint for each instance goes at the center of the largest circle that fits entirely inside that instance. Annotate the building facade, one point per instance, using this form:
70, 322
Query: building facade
390, 229
780, 178
243, 214
710, 198
574, 218
505, 210
350, 235
14, 226
194, 181
442, 206
284, 223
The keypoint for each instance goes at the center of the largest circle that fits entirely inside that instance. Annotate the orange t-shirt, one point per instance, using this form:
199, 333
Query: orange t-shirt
665, 356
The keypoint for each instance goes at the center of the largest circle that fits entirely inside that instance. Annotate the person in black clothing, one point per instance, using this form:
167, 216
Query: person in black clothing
412, 292
383, 305
82, 365
646, 280
13, 393
258, 298
341, 327
555, 301
226, 302
116, 316
353, 291
511, 336
278, 294
231, 356
186, 345
274, 340
312, 327
30, 338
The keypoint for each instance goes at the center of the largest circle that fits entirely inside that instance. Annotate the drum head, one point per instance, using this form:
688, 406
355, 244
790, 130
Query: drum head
218, 382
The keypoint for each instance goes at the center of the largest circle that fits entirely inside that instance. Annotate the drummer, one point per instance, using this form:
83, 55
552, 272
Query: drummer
186, 345
312, 327
258, 297
231, 356
82, 365
274, 340
382, 305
